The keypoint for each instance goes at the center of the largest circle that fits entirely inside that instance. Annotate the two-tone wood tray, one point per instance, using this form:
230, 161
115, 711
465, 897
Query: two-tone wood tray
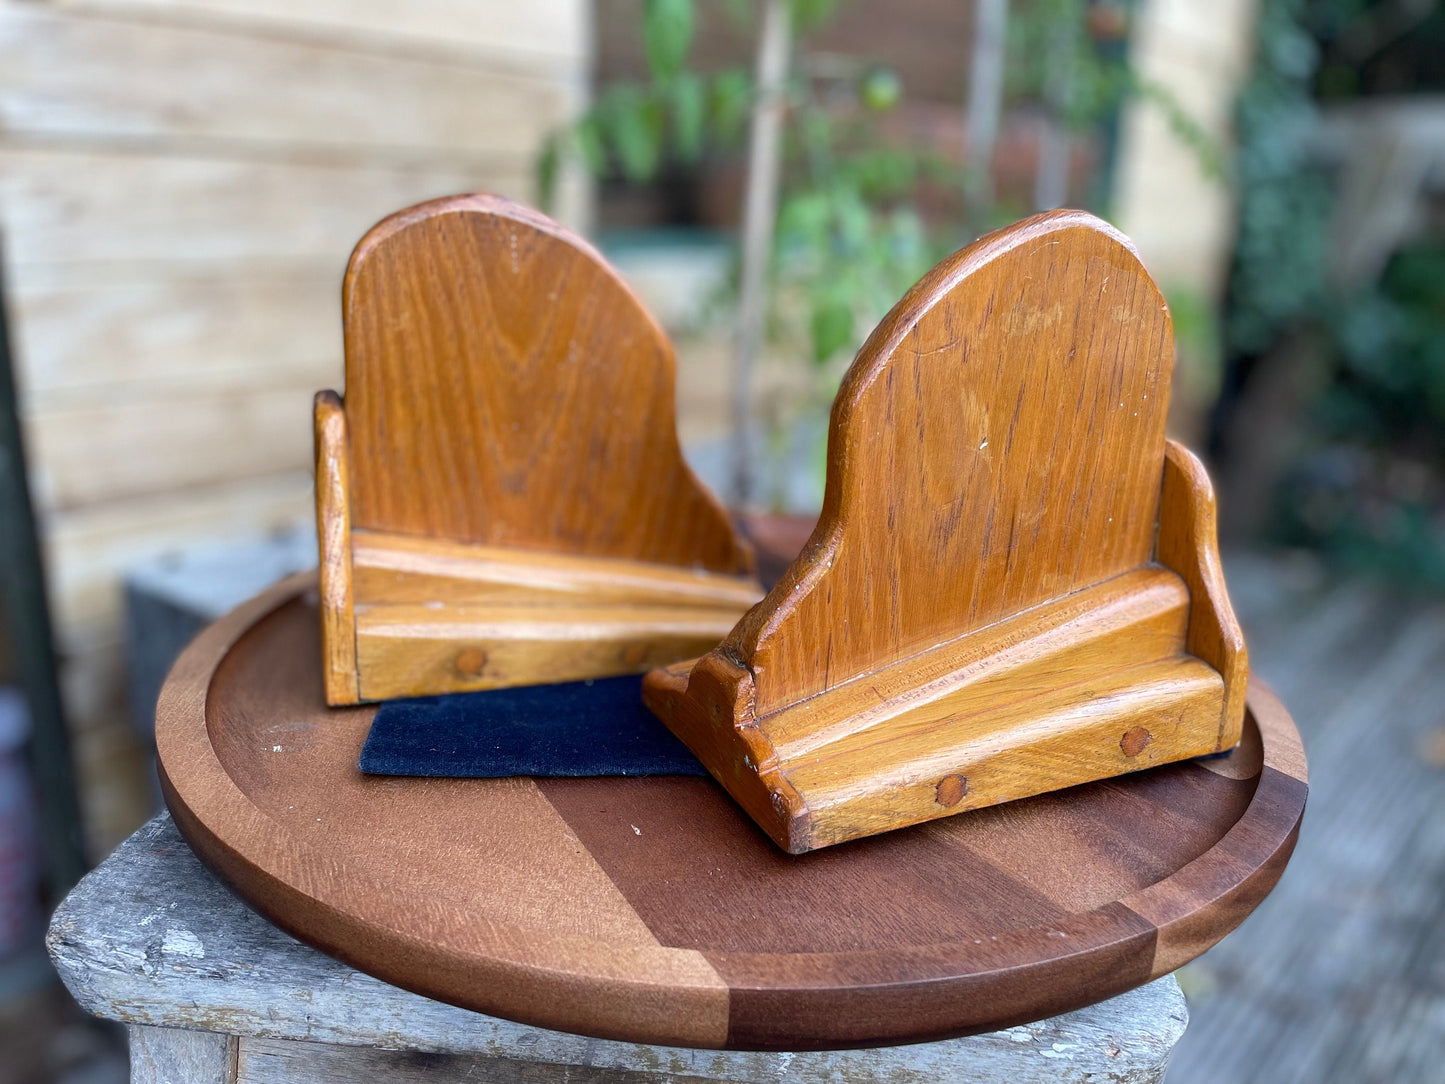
654, 910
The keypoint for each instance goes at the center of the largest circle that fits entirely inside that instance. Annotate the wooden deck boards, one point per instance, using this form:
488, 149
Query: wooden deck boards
1340, 974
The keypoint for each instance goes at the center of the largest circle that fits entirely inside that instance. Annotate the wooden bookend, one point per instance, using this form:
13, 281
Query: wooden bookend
501, 499
1014, 585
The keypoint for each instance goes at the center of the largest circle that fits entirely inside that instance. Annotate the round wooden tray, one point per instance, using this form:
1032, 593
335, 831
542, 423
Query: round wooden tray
653, 910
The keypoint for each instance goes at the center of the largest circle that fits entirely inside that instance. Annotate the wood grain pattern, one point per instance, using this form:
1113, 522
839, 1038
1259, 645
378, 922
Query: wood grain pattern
326, 830
406, 568
505, 387
536, 35
998, 443
1189, 544
513, 448
403, 648
447, 615
333, 533
654, 910
165, 1056
298, 1011
977, 616
69, 76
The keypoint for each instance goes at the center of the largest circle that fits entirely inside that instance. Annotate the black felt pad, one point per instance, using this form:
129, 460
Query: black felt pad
577, 728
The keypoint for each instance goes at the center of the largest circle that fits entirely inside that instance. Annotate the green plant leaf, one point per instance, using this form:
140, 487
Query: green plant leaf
811, 13
732, 95
831, 328
591, 144
667, 27
689, 116
881, 89
885, 173
547, 164
804, 215
633, 121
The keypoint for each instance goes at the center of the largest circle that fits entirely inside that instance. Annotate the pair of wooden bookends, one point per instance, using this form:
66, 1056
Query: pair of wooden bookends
1013, 587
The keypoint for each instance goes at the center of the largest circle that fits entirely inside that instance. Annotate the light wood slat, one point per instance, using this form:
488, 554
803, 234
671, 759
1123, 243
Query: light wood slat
1148, 604
401, 648
1188, 543
550, 33
399, 568
504, 388
101, 453
164, 213
88, 343
1151, 696
81, 77
89, 549
336, 593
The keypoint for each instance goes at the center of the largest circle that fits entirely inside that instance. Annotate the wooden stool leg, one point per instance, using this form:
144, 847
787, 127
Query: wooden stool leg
179, 1056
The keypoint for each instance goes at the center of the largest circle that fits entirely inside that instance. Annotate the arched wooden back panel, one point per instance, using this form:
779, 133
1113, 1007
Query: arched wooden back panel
501, 498
980, 614
997, 443
504, 387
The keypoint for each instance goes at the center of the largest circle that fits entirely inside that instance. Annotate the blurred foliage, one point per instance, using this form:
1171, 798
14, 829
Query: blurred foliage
1198, 372
1086, 38
1281, 250
850, 236
1370, 486
1367, 484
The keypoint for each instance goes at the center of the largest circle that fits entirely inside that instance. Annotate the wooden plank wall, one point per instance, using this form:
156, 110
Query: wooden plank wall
181, 182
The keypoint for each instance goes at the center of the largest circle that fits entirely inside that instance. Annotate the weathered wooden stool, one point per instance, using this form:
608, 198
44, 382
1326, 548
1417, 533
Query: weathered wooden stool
212, 993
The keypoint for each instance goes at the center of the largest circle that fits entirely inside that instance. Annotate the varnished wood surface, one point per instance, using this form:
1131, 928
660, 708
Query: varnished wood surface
1189, 544
437, 616
997, 444
979, 615
403, 649
507, 435
505, 387
654, 910
336, 577
407, 569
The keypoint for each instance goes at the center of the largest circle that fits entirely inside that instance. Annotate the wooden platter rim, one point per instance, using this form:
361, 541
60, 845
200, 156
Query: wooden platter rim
686, 1000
